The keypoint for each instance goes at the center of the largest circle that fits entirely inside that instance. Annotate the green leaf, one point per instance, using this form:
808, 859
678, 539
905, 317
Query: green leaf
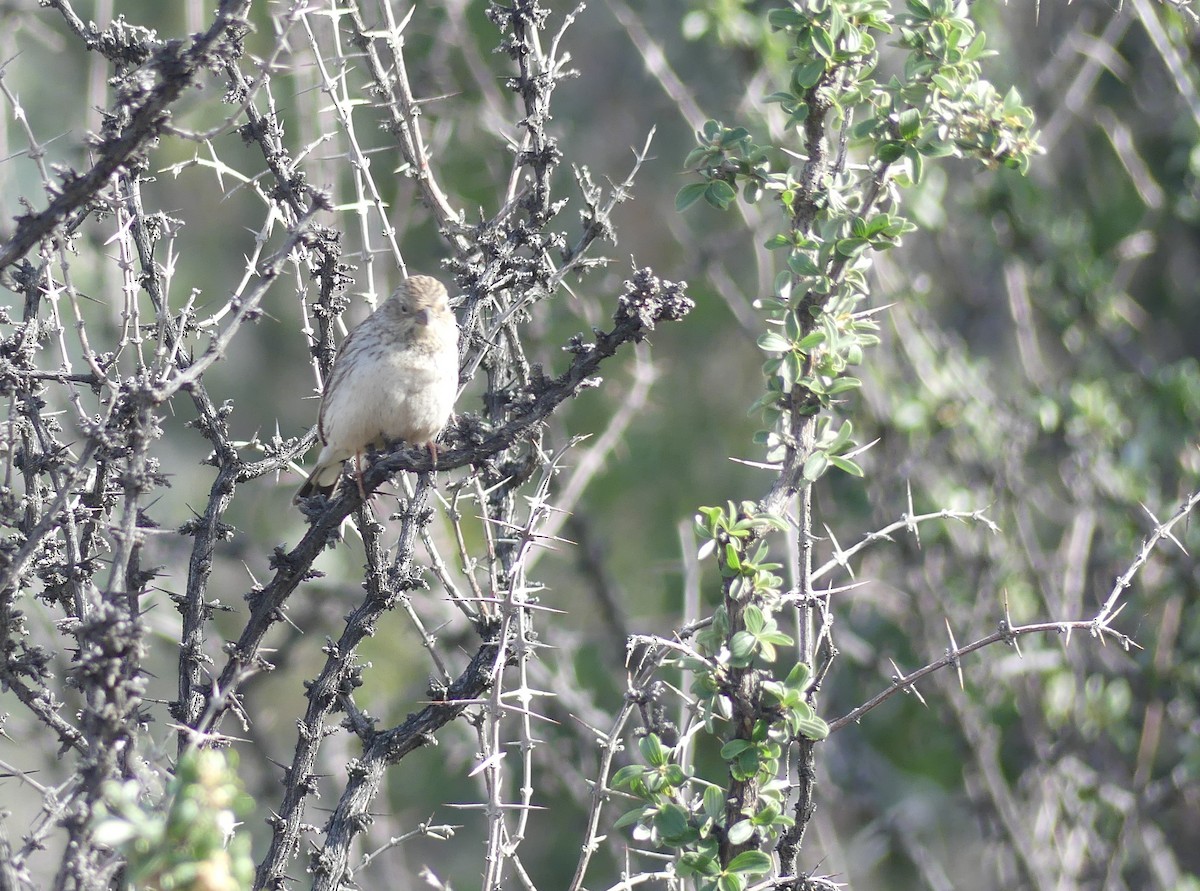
916, 166
689, 195
767, 399
798, 677
751, 863
742, 646
705, 684
936, 148
909, 123
799, 115
813, 728
693, 863
864, 128
627, 775
944, 83
714, 799
672, 821
629, 818
837, 21
733, 136
731, 750
977, 48
653, 750
918, 9
754, 619
842, 384
822, 43
695, 156
877, 224
851, 247
1012, 101
801, 710
675, 775
740, 833
719, 194
846, 465
802, 264
784, 18
808, 75
842, 437
815, 466
774, 521
889, 152
768, 815
812, 339
730, 882
774, 343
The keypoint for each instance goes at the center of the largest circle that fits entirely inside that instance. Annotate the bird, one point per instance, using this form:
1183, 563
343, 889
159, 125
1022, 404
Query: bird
395, 377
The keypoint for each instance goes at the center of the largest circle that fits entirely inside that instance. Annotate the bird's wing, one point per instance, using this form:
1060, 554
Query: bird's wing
336, 375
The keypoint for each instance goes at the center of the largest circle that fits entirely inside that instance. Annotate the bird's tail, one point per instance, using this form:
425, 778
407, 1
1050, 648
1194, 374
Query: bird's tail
322, 481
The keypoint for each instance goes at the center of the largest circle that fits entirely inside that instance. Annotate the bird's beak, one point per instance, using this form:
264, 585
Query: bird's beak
422, 317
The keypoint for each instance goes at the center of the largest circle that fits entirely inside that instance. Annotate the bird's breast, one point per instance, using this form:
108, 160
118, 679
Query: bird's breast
386, 394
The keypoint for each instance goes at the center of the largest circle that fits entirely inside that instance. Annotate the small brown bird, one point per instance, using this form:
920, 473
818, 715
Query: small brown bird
395, 377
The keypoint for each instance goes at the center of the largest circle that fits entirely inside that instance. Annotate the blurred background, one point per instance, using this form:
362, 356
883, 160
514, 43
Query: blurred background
1039, 360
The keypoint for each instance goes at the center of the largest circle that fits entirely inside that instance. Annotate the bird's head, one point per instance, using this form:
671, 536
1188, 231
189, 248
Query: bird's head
421, 298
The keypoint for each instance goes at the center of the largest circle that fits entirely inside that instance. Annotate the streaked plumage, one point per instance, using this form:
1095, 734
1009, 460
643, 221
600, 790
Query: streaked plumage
394, 378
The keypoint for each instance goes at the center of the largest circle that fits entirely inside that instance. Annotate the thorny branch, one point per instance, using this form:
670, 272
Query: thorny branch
91, 375
142, 114
96, 499
645, 302
1098, 626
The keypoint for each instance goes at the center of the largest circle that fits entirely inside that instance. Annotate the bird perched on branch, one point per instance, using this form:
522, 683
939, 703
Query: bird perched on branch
395, 377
